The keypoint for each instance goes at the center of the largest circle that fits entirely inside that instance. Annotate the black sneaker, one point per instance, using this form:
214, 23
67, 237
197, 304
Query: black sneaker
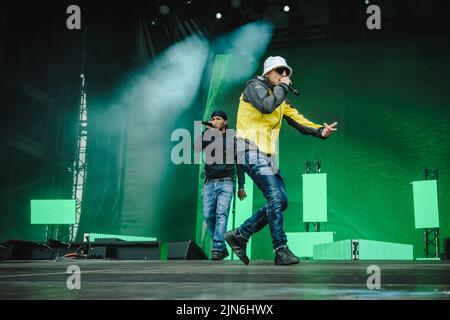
238, 244
284, 257
219, 255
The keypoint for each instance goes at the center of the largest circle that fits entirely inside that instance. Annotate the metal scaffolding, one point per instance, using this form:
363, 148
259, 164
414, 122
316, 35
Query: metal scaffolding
80, 163
79, 166
312, 167
431, 239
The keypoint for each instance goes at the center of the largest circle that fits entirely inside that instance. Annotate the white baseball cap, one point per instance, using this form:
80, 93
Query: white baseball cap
275, 62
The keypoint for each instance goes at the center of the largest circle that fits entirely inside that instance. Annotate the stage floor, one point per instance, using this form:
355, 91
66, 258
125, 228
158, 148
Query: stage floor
224, 280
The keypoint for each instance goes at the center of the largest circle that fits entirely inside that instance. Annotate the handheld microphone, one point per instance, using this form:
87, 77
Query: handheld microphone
293, 89
209, 124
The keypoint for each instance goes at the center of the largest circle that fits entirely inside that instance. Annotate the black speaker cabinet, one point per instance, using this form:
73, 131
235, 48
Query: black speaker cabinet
30, 250
150, 250
185, 250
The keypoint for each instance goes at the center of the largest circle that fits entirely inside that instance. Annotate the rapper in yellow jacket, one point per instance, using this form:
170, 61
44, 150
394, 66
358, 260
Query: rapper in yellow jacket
262, 107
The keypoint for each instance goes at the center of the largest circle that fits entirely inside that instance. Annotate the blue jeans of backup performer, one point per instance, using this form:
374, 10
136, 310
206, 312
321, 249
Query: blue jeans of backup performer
262, 169
217, 196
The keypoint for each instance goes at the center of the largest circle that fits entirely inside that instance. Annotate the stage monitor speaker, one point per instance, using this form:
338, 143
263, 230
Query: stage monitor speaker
127, 250
447, 248
185, 250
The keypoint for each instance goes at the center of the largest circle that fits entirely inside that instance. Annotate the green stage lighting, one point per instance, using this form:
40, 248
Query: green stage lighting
53, 211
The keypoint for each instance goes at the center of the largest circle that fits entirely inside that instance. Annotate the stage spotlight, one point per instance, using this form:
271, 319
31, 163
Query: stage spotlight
164, 9
286, 8
218, 15
235, 3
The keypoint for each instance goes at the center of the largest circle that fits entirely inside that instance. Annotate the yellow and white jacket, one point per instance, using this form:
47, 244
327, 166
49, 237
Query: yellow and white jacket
262, 108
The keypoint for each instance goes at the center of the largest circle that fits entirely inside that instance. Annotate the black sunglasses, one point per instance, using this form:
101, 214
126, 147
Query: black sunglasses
280, 70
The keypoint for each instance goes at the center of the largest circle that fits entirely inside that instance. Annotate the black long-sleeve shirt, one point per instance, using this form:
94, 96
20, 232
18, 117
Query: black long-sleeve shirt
220, 165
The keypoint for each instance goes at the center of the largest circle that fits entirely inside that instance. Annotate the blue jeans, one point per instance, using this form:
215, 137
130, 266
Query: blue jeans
217, 196
261, 168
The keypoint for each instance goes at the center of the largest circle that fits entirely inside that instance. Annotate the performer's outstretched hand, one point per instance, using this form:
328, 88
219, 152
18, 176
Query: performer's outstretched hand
242, 194
329, 129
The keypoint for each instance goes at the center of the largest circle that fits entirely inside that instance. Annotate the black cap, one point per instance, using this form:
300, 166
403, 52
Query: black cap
219, 113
